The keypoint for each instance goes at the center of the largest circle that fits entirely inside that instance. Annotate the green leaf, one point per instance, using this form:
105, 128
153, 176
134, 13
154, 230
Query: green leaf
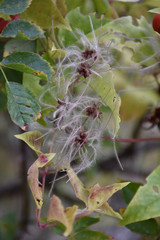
155, 10
104, 87
103, 7
145, 203
5, 16
12, 76
22, 105
33, 139
130, 190
144, 51
22, 29
3, 100
134, 1
61, 5
122, 27
153, 3
58, 229
30, 63
43, 91
12, 7
47, 14
19, 45
73, 4
135, 102
80, 22
147, 228
84, 222
91, 235
8, 226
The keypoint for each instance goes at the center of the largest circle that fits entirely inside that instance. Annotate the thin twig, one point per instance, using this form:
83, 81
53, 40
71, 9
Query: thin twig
131, 140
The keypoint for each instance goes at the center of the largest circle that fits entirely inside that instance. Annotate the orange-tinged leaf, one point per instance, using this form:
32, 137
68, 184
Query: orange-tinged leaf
58, 213
33, 139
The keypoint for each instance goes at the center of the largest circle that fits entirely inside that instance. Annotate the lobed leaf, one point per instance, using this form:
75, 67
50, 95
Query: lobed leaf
29, 63
146, 201
123, 27
12, 7
22, 29
47, 14
22, 105
81, 22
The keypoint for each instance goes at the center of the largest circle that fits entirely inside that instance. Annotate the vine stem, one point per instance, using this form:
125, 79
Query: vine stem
132, 140
41, 225
4, 75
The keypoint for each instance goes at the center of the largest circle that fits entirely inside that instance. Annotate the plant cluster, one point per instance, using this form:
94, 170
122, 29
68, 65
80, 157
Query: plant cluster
79, 76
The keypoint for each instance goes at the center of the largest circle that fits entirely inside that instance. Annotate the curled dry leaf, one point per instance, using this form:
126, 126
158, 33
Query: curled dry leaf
33, 177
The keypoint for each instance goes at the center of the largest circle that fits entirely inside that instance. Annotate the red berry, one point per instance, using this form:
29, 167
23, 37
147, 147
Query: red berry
3, 23
156, 23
